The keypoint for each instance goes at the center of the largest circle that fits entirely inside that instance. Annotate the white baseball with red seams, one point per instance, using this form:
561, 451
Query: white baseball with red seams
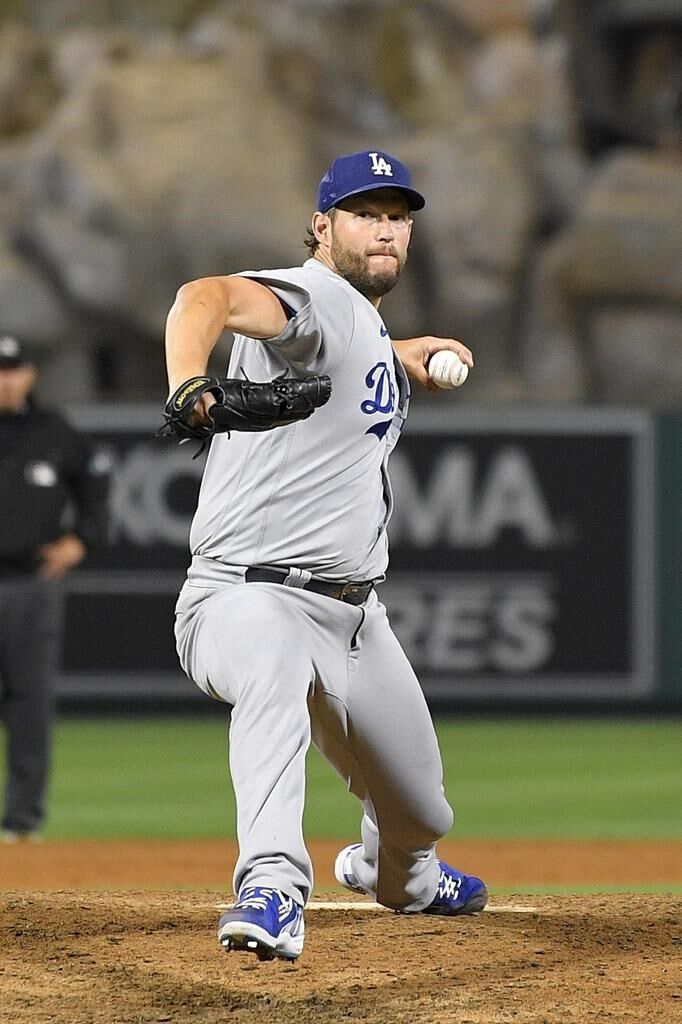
447, 370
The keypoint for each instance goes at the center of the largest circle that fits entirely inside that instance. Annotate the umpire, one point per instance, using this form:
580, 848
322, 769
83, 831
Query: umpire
53, 507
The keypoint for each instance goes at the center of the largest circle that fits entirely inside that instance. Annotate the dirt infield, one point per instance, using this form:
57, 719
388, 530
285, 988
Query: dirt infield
98, 933
521, 865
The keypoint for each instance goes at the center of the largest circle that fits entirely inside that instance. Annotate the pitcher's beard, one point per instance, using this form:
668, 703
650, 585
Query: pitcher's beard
355, 269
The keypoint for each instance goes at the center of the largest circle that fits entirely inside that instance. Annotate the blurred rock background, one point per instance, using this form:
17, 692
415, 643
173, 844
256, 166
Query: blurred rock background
147, 142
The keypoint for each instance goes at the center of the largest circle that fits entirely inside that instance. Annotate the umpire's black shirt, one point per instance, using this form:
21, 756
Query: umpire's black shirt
52, 482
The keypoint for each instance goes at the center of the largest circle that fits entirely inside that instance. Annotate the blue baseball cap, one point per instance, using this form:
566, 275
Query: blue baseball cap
363, 172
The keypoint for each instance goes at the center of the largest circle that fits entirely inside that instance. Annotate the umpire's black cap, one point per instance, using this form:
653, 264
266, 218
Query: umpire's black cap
13, 353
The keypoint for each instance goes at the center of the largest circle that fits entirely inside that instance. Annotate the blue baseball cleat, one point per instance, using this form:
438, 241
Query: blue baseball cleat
343, 871
265, 922
457, 893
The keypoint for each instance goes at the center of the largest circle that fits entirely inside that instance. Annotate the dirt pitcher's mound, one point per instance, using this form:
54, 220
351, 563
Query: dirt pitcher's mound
112, 958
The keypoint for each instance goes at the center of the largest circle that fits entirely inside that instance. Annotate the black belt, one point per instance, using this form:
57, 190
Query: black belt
351, 593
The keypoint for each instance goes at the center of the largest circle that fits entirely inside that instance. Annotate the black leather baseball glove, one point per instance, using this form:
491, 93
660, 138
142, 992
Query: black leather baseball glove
243, 404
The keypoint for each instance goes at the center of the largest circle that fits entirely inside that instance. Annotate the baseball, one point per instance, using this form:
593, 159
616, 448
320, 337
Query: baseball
447, 370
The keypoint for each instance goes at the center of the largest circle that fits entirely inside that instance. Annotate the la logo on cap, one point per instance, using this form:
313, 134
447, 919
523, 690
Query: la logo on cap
380, 166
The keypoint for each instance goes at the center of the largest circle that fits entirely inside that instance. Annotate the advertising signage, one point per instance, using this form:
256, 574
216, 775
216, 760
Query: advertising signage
521, 556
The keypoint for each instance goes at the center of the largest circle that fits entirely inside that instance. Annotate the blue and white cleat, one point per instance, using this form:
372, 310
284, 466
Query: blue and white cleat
265, 922
343, 870
456, 894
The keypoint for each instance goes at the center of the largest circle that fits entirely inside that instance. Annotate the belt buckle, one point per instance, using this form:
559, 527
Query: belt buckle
349, 590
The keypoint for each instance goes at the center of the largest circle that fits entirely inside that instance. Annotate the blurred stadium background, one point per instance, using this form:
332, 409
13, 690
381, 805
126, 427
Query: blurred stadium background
537, 540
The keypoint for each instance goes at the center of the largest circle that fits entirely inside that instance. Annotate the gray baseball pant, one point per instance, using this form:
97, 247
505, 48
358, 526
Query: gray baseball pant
297, 666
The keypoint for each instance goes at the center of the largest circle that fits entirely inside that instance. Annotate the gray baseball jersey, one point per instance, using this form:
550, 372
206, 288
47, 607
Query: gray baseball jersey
314, 495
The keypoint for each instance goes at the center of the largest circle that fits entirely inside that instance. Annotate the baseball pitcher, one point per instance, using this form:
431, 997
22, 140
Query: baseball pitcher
279, 616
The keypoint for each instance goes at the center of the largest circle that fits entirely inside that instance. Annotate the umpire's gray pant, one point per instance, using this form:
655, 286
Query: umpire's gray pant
30, 631
298, 666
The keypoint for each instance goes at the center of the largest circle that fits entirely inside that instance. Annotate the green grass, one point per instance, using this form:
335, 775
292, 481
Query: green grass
533, 889
573, 779
518, 778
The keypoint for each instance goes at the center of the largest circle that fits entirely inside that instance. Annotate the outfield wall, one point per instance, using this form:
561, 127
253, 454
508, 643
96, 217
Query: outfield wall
524, 561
